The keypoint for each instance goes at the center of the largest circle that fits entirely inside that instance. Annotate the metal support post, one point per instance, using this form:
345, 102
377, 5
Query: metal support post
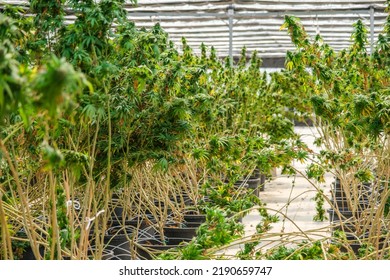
372, 29
231, 14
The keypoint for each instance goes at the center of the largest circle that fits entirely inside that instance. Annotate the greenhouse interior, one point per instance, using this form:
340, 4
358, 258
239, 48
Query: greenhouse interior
195, 130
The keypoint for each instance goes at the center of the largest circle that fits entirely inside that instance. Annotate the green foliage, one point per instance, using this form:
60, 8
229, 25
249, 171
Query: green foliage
51, 156
232, 199
249, 252
218, 229
56, 83
320, 211
304, 251
295, 30
317, 172
11, 78
49, 14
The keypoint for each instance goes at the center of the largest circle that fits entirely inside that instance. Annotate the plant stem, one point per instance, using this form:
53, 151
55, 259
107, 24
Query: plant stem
28, 223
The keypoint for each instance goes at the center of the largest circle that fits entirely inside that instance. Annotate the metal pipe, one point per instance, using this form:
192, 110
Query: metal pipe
372, 29
255, 15
231, 14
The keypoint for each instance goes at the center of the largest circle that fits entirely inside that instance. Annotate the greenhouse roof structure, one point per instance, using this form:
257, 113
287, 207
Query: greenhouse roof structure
231, 25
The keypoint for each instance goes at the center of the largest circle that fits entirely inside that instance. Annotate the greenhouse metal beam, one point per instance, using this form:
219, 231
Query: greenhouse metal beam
231, 14
274, 25
219, 29
372, 29
180, 21
259, 14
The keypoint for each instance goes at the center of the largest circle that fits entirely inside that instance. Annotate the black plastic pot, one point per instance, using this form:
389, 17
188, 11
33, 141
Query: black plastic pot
241, 184
29, 255
194, 219
184, 199
350, 222
117, 209
256, 174
345, 214
183, 233
27, 250
137, 222
344, 220
119, 239
344, 204
337, 183
340, 194
364, 190
106, 254
119, 244
304, 122
250, 183
352, 242
187, 221
253, 183
355, 243
341, 203
148, 249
